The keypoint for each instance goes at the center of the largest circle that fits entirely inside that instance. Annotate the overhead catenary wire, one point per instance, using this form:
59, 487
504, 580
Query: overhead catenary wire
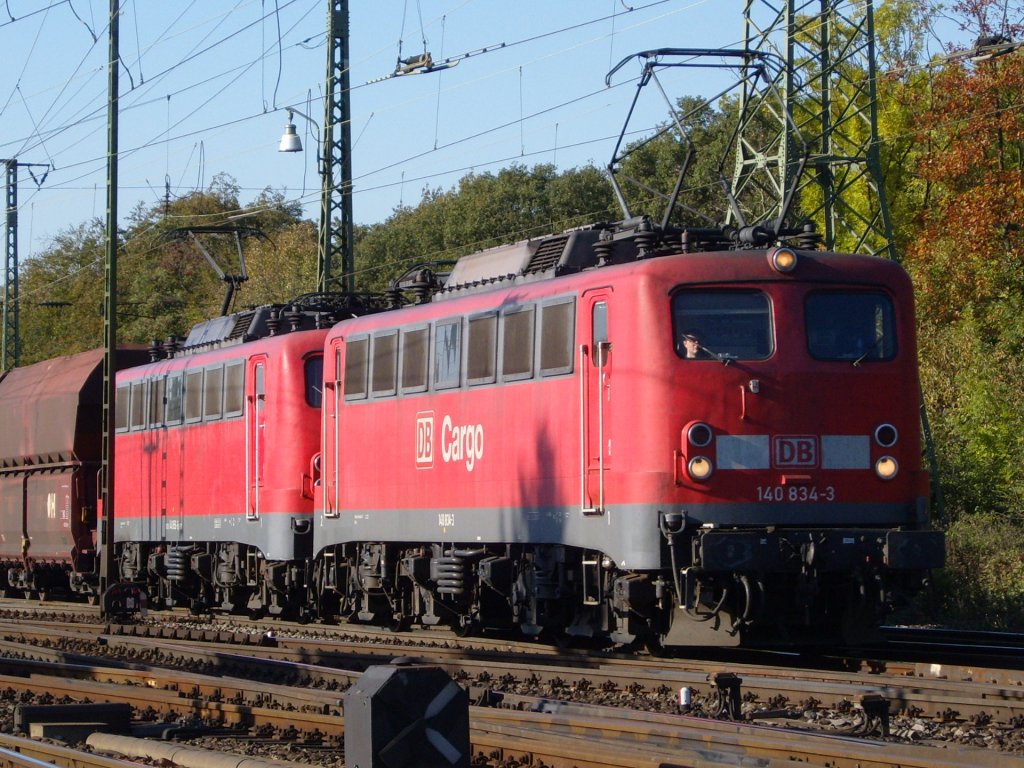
138, 98
197, 52
499, 126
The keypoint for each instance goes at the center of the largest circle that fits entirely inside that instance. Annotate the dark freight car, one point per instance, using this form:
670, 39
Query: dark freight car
50, 452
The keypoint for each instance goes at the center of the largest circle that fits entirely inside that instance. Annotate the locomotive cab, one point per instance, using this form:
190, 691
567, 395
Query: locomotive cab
802, 501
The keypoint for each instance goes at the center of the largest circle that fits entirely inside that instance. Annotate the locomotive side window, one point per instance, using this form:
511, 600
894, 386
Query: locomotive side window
385, 363
557, 322
138, 407
174, 410
517, 344
193, 395
356, 365
600, 320
848, 325
414, 359
122, 402
156, 402
213, 392
314, 379
728, 325
447, 360
234, 388
482, 349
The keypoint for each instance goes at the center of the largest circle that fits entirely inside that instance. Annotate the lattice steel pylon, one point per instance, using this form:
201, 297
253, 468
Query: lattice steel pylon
336, 195
829, 88
10, 347
10, 356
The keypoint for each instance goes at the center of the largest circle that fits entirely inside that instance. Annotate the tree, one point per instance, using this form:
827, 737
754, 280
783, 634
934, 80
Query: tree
652, 166
62, 294
484, 210
165, 285
961, 219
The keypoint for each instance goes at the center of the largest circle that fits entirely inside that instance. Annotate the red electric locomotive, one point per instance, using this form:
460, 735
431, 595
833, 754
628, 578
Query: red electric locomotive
212, 480
602, 434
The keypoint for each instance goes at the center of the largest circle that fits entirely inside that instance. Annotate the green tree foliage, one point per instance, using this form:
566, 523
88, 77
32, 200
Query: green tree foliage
165, 284
61, 292
649, 172
484, 210
904, 80
519, 203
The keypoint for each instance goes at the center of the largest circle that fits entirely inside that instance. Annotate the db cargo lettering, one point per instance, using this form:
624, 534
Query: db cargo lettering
462, 442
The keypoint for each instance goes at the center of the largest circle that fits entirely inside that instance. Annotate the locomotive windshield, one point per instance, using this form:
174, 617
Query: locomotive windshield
723, 325
855, 326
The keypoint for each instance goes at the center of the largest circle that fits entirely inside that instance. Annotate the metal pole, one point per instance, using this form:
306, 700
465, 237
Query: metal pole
347, 261
336, 198
108, 569
10, 356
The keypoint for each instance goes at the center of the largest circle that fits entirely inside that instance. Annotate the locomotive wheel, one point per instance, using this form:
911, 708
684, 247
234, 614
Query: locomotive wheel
400, 623
465, 627
655, 647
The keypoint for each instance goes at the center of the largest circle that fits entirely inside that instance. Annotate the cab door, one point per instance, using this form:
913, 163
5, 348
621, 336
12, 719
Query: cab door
595, 371
255, 434
331, 443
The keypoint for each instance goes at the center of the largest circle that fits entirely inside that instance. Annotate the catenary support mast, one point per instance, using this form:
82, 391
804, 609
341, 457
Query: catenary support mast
336, 196
829, 85
11, 353
108, 565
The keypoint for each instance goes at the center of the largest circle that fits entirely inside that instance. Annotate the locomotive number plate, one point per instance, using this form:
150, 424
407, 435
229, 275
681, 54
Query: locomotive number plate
796, 493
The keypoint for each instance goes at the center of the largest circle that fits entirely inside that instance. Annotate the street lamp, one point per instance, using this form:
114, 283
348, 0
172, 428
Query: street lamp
290, 141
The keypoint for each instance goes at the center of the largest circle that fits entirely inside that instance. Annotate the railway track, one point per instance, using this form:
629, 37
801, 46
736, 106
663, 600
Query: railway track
221, 674
651, 683
308, 710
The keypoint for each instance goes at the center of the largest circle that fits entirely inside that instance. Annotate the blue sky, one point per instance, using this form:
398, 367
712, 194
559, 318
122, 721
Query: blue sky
205, 88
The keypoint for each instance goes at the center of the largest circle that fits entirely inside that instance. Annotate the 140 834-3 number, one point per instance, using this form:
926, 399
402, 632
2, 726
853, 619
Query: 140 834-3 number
795, 493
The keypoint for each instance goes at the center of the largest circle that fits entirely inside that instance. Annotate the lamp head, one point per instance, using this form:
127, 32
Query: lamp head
290, 141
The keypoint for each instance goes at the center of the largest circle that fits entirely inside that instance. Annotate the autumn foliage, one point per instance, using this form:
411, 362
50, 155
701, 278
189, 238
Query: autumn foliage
971, 126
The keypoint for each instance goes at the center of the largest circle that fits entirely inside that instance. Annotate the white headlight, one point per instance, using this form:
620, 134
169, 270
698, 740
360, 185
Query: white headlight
700, 468
886, 435
886, 468
782, 259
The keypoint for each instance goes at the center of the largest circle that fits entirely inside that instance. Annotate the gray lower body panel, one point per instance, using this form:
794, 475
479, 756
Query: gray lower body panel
630, 534
279, 536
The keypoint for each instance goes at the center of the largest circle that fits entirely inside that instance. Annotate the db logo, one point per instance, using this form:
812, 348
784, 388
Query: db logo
425, 439
795, 451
